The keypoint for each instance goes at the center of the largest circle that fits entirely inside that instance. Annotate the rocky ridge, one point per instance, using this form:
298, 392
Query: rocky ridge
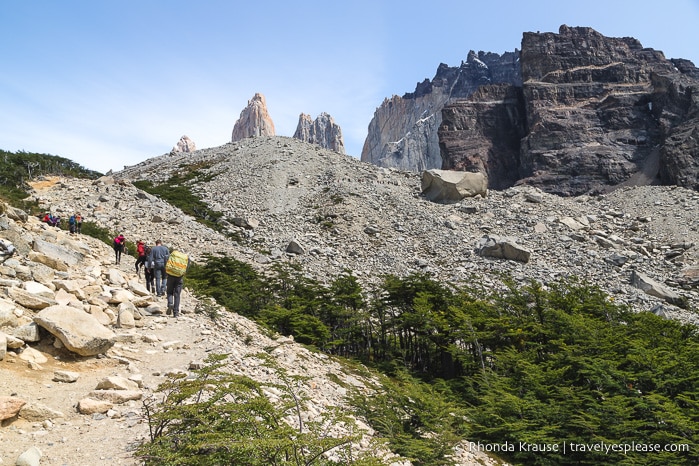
343, 214
293, 201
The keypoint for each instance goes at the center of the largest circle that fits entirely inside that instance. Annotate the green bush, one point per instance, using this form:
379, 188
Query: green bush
218, 418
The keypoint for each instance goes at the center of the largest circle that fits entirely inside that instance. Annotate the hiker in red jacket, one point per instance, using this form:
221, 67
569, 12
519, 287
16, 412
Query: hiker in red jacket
141, 250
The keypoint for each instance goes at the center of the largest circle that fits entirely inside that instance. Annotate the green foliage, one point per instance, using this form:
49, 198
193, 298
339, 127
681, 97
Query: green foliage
177, 191
566, 365
220, 418
541, 365
419, 422
233, 284
96, 231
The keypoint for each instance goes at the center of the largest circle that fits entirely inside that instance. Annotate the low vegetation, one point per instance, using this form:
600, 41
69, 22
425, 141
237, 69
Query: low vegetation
538, 375
220, 418
177, 191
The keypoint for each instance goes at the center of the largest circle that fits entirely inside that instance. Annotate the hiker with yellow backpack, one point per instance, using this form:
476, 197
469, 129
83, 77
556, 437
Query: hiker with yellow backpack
175, 269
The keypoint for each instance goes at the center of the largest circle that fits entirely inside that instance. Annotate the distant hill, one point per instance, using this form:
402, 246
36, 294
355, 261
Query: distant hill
17, 168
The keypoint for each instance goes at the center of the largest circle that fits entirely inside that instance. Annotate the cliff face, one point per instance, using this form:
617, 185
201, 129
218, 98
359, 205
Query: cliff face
577, 112
600, 111
403, 131
254, 120
322, 131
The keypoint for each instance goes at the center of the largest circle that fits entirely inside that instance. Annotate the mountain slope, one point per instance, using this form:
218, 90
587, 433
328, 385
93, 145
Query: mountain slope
350, 215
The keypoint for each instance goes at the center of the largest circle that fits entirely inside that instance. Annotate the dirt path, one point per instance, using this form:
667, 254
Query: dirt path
91, 440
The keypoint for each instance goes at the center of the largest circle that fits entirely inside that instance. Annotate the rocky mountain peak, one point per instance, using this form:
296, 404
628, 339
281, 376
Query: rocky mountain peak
322, 131
254, 120
403, 132
572, 112
184, 145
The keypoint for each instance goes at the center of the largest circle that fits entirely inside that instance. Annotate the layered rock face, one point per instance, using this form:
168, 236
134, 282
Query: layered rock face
184, 145
483, 134
403, 132
593, 112
254, 120
322, 131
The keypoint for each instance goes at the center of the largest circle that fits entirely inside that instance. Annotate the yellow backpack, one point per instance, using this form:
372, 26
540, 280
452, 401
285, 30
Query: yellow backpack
177, 264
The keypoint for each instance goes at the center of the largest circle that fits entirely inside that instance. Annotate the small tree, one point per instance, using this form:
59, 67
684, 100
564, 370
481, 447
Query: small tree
220, 418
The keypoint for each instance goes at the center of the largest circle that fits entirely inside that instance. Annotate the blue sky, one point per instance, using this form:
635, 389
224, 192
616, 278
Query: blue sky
109, 84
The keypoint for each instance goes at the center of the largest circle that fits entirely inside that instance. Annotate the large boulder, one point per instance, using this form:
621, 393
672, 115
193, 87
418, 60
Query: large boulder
450, 186
653, 288
79, 331
69, 256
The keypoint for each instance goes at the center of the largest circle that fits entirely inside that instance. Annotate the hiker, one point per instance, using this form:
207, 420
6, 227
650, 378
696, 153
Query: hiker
71, 224
148, 271
175, 268
78, 223
159, 256
141, 260
119, 243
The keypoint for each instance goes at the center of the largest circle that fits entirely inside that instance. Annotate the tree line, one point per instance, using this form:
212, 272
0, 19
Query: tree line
542, 365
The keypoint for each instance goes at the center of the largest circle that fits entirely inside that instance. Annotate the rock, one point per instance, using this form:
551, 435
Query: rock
79, 331
247, 223
13, 342
93, 406
29, 300
10, 406
115, 396
125, 317
116, 383
653, 288
137, 288
37, 412
115, 277
51, 262
254, 120
29, 332
65, 376
452, 186
323, 132
30, 457
60, 253
120, 295
8, 316
502, 248
37, 289
294, 247
32, 355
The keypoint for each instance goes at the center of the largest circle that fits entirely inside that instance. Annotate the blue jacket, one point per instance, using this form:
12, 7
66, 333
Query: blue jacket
158, 256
